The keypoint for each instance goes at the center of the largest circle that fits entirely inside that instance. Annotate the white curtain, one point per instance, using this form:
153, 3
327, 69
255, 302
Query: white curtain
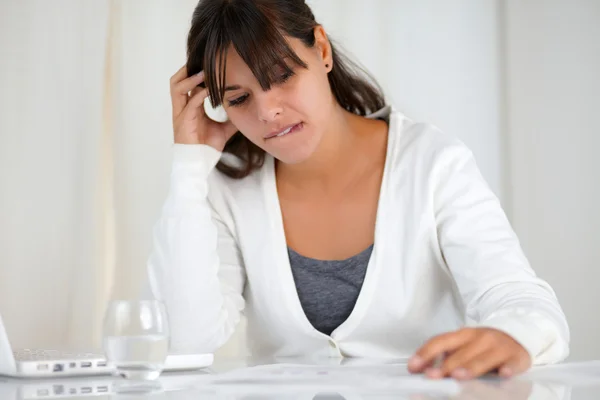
85, 133
54, 258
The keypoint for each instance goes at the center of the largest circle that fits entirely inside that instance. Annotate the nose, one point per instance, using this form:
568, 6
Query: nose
268, 106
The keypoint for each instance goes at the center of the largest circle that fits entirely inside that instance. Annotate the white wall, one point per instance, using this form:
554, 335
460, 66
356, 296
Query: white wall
438, 61
553, 107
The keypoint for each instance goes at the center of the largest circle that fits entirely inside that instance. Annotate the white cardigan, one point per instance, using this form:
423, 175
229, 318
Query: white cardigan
444, 256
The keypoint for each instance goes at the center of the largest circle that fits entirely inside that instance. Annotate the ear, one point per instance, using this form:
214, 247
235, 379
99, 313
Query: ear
323, 47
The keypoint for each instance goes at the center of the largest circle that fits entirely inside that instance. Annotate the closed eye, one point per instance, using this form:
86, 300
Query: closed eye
285, 77
242, 99
238, 101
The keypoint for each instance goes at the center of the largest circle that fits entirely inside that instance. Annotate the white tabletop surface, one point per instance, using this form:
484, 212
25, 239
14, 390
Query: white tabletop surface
319, 380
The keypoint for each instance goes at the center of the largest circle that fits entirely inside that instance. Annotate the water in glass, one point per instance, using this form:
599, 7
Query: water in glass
136, 339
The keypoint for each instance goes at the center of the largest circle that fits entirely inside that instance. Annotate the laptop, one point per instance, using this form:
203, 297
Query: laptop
28, 363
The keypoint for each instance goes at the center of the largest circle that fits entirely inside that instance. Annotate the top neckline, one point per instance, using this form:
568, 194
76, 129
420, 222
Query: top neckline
358, 255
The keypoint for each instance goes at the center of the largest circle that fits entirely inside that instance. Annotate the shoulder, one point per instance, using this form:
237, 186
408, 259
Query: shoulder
225, 193
423, 146
218, 179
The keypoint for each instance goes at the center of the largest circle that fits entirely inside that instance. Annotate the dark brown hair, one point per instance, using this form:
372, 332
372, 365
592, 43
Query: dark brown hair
257, 30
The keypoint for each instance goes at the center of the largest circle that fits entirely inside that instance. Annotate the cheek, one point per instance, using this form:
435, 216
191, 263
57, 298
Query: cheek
311, 98
247, 123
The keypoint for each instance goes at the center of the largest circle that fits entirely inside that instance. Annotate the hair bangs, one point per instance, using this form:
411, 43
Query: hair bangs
254, 35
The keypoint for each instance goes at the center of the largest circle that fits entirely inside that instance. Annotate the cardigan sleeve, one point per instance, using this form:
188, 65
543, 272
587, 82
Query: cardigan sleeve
498, 287
195, 266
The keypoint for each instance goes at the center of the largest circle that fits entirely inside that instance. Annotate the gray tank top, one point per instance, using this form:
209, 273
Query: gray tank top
328, 290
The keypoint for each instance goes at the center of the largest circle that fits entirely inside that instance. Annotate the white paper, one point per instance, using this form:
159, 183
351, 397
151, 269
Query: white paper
369, 378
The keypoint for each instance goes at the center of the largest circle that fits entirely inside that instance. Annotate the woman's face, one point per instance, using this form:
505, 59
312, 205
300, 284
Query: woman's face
301, 102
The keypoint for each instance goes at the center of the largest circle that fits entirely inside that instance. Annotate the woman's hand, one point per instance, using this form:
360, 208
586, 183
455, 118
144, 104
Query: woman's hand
469, 353
190, 124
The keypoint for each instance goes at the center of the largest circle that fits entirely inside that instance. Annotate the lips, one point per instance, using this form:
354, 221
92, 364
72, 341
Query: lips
284, 131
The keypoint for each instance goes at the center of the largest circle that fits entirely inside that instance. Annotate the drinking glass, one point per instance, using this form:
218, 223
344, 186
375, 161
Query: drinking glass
136, 338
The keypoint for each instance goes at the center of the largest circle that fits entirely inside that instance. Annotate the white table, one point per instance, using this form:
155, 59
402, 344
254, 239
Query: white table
322, 380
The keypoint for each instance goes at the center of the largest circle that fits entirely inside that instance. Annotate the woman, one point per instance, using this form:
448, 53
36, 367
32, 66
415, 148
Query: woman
338, 225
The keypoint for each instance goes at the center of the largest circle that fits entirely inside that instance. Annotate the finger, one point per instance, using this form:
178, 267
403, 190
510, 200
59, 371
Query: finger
482, 364
437, 346
177, 101
179, 75
180, 90
464, 354
515, 366
186, 85
194, 91
194, 106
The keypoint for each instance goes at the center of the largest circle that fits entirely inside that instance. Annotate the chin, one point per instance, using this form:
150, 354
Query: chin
294, 150
292, 157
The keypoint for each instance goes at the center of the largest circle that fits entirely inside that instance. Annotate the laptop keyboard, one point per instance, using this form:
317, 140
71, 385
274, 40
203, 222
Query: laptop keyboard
42, 355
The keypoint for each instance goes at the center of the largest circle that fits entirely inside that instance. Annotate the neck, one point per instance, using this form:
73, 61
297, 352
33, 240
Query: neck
337, 158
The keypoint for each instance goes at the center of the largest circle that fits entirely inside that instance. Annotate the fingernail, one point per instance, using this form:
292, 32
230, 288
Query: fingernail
199, 74
415, 362
461, 373
505, 372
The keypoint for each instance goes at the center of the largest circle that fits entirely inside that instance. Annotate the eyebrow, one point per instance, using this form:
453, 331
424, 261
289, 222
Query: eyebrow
236, 87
